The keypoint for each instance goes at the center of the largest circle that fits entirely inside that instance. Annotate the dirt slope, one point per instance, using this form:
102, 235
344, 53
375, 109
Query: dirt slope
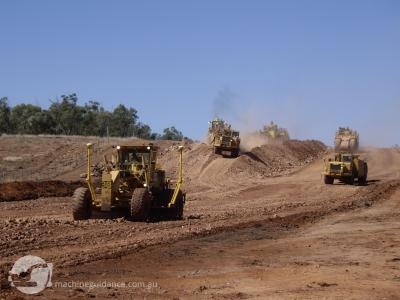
204, 170
351, 255
16, 191
31, 158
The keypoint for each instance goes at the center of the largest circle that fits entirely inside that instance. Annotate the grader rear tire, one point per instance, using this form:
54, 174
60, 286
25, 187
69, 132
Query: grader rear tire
82, 199
140, 204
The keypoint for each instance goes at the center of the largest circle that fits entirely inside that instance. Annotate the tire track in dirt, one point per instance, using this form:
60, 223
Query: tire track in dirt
70, 251
272, 226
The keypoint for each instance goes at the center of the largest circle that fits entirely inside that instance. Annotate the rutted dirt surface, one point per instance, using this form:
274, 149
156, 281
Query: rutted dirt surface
255, 226
351, 254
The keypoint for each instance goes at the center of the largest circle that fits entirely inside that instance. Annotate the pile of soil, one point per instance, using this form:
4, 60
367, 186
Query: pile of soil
277, 159
202, 168
263, 161
15, 191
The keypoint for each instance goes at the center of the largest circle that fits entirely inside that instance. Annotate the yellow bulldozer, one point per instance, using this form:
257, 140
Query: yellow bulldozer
131, 181
275, 133
223, 138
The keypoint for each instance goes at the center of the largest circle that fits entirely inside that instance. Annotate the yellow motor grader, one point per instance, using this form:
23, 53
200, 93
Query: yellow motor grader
131, 181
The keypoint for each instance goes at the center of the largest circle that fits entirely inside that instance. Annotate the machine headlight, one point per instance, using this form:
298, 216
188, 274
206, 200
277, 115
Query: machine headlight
118, 147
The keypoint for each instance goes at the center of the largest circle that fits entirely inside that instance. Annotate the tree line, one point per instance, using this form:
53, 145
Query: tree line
66, 117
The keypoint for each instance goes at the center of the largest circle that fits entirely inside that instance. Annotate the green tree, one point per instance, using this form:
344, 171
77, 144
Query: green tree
22, 118
89, 118
142, 131
123, 121
65, 116
68, 116
171, 133
155, 136
4, 116
103, 121
42, 122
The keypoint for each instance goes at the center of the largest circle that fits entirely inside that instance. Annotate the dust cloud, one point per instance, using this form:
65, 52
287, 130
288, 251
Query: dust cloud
246, 116
251, 140
377, 124
382, 128
223, 104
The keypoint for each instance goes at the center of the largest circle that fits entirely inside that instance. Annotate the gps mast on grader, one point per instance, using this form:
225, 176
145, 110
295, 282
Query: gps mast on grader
131, 181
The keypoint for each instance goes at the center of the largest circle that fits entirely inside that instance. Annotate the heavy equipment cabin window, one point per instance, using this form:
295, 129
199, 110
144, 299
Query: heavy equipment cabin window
133, 156
145, 156
128, 156
346, 158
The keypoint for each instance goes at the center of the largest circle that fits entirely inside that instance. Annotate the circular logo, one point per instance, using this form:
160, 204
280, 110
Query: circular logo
31, 274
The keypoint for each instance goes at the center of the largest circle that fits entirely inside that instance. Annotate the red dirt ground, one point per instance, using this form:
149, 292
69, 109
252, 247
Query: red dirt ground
261, 226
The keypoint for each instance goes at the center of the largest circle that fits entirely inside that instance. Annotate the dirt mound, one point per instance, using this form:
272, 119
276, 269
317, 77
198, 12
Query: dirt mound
15, 191
40, 158
277, 159
204, 167
203, 170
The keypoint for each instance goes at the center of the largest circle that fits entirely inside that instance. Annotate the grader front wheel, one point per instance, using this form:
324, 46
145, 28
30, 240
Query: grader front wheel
81, 209
140, 204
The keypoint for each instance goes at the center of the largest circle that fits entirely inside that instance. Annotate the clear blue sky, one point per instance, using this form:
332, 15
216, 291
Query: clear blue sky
309, 65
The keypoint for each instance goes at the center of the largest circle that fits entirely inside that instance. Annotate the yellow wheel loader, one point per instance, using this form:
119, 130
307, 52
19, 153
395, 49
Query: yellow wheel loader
131, 181
346, 167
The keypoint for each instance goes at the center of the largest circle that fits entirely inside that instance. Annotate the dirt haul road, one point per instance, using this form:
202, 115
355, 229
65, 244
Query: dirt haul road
262, 225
